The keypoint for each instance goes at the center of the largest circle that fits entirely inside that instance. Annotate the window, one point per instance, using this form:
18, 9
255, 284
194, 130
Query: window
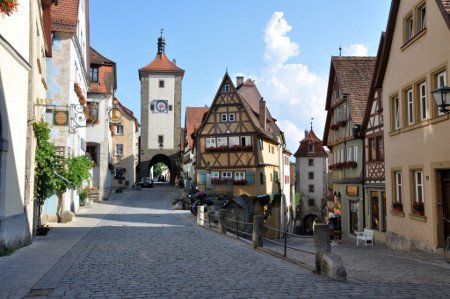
261, 178
355, 153
60, 151
422, 14
372, 149
239, 176
349, 154
310, 188
94, 73
224, 117
214, 175
227, 88
380, 148
227, 175
271, 177
233, 141
441, 80
310, 148
161, 83
398, 181
286, 179
409, 28
342, 155
410, 106
261, 144
119, 130
396, 113
160, 141
231, 117
210, 142
245, 141
119, 149
310, 162
418, 186
91, 152
222, 141
311, 175
423, 101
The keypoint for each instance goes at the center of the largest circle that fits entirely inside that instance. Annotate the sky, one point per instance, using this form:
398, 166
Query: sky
285, 46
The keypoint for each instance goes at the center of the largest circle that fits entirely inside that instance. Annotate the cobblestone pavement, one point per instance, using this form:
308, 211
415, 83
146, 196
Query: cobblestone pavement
136, 246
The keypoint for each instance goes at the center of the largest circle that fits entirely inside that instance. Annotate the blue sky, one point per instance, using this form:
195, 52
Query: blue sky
285, 46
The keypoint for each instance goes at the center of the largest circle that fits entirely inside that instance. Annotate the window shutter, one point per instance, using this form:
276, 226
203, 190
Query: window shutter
250, 177
202, 177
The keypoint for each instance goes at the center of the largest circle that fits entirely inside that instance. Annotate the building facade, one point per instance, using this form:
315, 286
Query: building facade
125, 145
102, 86
416, 61
67, 86
311, 172
161, 83
374, 170
348, 90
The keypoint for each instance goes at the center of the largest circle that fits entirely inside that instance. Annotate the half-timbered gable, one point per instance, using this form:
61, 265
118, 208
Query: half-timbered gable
239, 141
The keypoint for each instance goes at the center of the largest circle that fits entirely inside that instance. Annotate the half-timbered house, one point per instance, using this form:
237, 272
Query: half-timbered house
348, 90
374, 175
240, 143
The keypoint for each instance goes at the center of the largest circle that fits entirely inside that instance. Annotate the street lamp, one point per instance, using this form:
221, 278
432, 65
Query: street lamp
442, 98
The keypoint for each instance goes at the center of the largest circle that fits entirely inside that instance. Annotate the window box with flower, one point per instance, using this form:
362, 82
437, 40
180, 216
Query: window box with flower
8, 7
397, 207
240, 182
418, 208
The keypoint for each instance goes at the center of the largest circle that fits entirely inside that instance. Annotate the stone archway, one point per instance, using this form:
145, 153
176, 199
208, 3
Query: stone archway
170, 161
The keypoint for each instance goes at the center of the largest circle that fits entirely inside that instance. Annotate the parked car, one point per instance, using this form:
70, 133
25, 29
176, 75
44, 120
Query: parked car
147, 183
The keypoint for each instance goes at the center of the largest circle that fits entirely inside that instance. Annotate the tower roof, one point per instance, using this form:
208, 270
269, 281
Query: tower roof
161, 64
311, 138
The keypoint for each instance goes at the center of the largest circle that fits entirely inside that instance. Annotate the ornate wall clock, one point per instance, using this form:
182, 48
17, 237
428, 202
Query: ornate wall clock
161, 106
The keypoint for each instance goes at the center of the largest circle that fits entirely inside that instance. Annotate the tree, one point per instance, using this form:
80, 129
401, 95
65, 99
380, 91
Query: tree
55, 174
158, 168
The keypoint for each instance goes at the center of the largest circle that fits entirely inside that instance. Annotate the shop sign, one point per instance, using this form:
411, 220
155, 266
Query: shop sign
352, 190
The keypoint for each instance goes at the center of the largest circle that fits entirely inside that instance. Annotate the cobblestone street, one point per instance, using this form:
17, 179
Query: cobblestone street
136, 246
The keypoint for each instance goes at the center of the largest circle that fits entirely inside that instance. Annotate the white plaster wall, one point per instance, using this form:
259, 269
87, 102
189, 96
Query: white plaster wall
319, 169
157, 122
13, 102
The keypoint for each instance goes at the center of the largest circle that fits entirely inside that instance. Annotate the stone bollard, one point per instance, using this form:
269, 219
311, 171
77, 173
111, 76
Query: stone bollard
221, 225
257, 236
327, 263
201, 215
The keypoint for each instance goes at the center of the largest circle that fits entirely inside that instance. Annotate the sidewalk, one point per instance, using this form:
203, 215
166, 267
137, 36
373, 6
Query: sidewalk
374, 263
25, 267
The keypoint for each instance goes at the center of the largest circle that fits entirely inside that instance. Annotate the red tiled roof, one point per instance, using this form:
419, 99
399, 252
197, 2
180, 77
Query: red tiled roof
64, 16
97, 58
107, 82
161, 64
355, 76
311, 138
193, 120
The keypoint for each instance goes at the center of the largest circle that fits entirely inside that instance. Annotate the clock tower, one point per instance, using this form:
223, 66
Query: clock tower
161, 82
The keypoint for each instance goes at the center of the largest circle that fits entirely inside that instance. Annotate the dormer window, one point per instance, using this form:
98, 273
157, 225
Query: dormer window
94, 73
227, 88
310, 148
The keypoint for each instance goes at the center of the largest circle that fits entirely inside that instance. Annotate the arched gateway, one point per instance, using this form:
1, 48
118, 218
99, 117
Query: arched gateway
161, 82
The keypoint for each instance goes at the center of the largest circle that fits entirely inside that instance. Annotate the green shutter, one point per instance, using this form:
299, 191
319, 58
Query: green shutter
250, 177
202, 177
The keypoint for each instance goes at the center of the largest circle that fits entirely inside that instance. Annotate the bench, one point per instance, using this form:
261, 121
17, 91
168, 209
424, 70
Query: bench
366, 236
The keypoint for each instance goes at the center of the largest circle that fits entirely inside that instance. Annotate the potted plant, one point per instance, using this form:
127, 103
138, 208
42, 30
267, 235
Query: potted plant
418, 208
42, 230
83, 194
397, 206
8, 7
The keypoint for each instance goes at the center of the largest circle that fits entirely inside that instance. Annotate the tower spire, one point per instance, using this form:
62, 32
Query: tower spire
161, 43
340, 50
312, 118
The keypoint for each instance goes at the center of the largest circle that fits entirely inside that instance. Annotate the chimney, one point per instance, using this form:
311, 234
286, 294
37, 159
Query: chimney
174, 61
262, 114
239, 81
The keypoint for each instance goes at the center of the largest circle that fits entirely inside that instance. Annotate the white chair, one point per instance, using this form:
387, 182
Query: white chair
366, 236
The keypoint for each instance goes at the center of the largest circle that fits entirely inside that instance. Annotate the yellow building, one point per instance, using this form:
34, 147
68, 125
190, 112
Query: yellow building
125, 146
240, 142
416, 61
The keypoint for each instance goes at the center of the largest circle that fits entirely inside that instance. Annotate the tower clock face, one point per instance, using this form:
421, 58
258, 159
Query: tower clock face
161, 106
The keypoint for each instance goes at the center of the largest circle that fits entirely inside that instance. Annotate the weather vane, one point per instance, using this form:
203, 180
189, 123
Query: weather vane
162, 31
312, 118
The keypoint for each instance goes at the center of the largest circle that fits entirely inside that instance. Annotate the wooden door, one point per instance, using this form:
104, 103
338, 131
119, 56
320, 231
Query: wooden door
446, 201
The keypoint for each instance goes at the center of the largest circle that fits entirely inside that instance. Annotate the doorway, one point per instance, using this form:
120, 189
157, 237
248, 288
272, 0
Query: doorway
353, 217
445, 185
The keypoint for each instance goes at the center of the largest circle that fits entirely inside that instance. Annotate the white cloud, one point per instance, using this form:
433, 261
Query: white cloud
355, 50
279, 48
293, 92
